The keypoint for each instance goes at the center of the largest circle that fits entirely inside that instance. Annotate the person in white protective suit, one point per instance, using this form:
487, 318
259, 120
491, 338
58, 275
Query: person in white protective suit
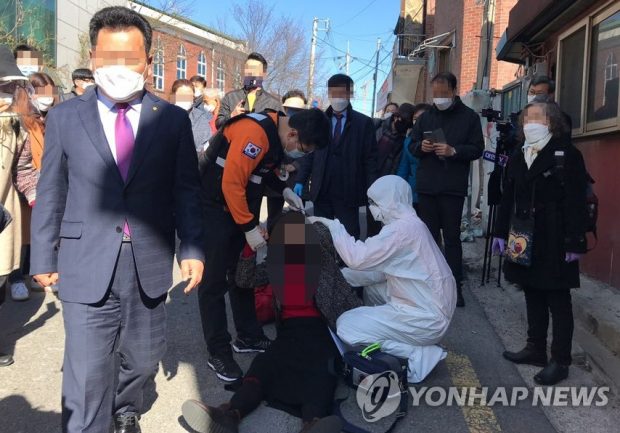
421, 291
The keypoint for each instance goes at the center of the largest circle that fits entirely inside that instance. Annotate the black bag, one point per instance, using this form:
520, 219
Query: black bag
520, 244
371, 361
5, 218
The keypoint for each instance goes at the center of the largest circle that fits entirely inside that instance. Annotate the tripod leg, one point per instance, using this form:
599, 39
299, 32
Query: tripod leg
492, 214
486, 247
499, 272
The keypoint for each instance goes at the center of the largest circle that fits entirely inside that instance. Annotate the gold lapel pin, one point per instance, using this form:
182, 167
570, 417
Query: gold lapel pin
154, 108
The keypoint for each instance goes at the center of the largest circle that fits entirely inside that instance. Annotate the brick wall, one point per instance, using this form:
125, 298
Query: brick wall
233, 61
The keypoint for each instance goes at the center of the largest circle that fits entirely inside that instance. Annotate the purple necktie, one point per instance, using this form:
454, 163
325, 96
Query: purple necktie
123, 135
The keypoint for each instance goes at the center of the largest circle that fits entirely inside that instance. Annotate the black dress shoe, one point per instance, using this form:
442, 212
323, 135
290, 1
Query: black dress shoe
527, 356
127, 423
5, 360
551, 374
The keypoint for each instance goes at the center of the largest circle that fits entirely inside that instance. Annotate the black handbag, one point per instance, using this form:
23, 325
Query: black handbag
5, 218
520, 244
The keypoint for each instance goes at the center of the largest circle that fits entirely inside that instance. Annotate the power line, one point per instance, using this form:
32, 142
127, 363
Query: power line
359, 13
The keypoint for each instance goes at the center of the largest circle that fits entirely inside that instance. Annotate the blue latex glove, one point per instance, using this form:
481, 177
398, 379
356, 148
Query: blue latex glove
572, 257
298, 188
498, 247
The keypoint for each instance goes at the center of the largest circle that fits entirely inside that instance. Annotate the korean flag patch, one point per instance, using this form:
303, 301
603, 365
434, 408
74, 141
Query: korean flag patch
251, 150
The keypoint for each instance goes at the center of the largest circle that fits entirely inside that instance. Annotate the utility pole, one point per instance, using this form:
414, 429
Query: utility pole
374, 89
315, 31
347, 59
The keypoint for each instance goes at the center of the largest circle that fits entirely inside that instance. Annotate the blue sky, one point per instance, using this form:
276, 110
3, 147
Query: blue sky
360, 22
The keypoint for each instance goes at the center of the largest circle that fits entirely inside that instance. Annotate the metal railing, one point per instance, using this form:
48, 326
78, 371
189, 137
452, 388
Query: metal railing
405, 44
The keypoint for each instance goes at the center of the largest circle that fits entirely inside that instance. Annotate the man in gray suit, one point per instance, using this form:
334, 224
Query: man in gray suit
119, 177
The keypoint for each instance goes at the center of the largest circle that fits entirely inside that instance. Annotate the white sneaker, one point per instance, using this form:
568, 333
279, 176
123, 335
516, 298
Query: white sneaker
52, 289
19, 292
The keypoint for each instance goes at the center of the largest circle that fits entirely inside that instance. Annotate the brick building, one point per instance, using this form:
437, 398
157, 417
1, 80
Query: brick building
578, 44
183, 48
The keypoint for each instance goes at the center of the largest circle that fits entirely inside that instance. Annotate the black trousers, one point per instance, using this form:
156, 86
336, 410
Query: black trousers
223, 244
557, 302
331, 208
442, 215
275, 206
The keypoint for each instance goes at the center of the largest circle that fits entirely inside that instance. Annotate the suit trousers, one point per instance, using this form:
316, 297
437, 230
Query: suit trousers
126, 322
539, 304
224, 242
442, 215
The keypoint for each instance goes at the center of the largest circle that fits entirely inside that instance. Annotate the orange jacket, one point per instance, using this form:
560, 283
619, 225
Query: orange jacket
248, 147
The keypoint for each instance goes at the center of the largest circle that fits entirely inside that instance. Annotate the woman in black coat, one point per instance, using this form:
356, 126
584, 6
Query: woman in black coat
545, 183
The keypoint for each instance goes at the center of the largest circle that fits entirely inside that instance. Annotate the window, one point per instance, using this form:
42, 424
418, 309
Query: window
444, 60
202, 65
603, 89
588, 75
571, 75
219, 80
181, 63
158, 66
512, 100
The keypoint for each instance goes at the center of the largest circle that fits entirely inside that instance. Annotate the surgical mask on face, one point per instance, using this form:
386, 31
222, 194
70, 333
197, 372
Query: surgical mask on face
6, 98
387, 115
85, 86
252, 81
339, 104
28, 70
376, 212
44, 103
530, 98
197, 93
535, 132
210, 108
119, 83
443, 103
186, 105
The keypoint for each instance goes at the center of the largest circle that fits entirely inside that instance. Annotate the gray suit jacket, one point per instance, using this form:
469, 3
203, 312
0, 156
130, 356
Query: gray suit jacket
82, 200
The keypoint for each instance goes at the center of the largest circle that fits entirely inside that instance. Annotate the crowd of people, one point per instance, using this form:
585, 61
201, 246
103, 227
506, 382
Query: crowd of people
106, 184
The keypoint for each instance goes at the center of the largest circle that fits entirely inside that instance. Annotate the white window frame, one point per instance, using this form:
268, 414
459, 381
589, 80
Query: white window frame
201, 68
596, 17
181, 62
159, 69
220, 81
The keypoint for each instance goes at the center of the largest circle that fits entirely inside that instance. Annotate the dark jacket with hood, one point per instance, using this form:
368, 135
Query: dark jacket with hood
357, 168
463, 131
264, 100
557, 179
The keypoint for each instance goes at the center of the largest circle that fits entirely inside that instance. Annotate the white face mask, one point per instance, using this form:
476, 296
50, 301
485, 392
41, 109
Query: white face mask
530, 98
44, 103
376, 212
186, 105
86, 85
443, 103
197, 93
339, 104
119, 83
535, 132
6, 98
210, 108
28, 70
387, 115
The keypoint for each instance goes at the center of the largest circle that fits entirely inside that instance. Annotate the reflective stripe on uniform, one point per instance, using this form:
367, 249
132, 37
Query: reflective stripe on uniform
253, 178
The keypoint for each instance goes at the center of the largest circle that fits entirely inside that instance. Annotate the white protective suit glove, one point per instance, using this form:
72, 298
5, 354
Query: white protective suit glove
325, 221
293, 199
255, 239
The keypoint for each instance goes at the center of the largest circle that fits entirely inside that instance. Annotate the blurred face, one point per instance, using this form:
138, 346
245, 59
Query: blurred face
442, 89
536, 114
184, 97
44, 97
120, 47
29, 62
198, 89
82, 84
417, 115
253, 68
391, 109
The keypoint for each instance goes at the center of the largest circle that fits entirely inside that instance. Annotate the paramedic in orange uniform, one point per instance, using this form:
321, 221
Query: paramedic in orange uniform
243, 158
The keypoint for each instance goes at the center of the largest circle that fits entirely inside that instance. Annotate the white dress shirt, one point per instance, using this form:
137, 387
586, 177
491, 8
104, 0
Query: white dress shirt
108, 113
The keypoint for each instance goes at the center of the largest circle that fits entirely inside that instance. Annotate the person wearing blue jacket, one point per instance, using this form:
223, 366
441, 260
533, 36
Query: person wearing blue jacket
409, 162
